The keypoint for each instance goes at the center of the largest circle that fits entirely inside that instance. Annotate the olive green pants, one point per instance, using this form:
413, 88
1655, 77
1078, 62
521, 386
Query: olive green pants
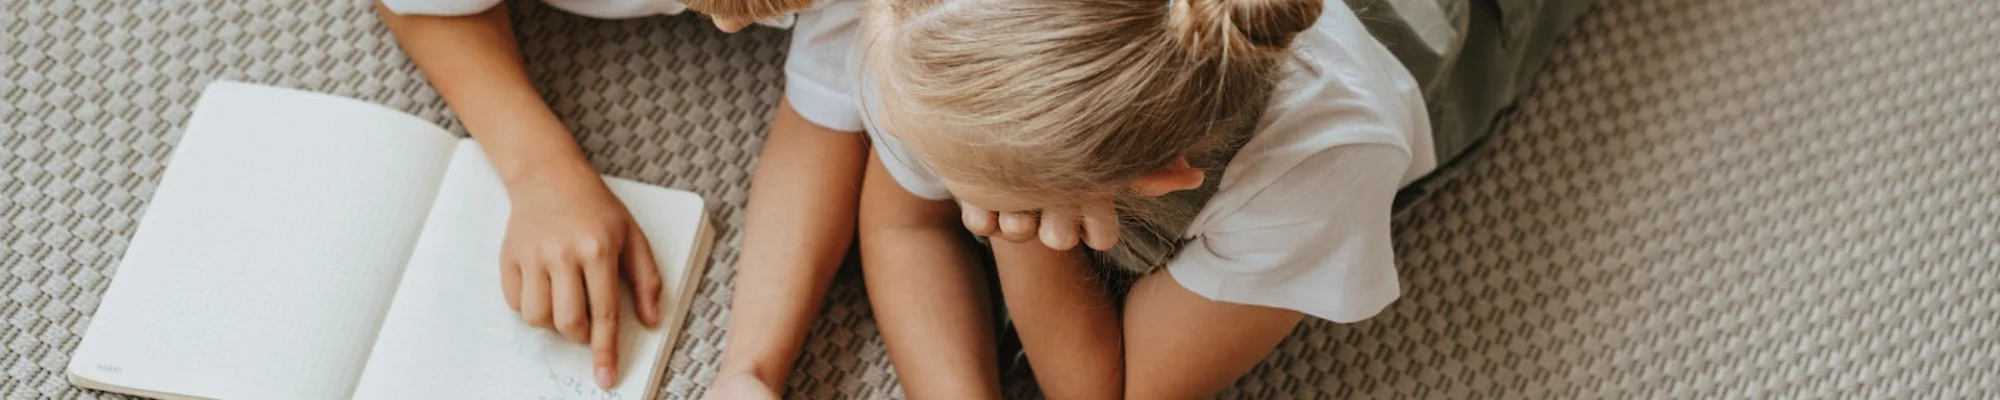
1473, 58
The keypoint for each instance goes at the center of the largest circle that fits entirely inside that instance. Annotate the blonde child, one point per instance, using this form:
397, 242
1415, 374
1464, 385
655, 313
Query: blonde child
1239, 156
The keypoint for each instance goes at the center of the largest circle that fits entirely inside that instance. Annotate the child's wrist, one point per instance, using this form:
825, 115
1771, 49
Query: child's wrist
525, 161
773, 378
551, 174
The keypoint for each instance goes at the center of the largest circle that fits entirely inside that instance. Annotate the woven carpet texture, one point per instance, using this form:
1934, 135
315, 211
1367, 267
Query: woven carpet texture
1697, 198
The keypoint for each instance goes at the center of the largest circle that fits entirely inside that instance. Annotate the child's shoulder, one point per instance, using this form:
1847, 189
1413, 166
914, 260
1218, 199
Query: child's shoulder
1343, 87
1339, 51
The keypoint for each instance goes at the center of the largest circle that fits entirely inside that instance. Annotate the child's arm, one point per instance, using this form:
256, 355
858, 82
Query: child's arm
929, 292
1179, 344
1068, 324
798, 227
567, 236
1170, 343
474, 62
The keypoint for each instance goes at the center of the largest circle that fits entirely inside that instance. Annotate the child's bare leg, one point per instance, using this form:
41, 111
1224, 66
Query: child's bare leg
800, 223
928, 292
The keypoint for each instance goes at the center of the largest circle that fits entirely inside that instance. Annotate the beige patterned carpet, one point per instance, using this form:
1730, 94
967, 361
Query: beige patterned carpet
1743, 199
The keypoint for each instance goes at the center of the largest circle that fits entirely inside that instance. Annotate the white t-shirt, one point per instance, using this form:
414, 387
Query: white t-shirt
1300, 220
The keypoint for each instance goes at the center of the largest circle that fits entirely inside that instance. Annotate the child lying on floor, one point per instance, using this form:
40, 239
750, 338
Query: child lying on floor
1239, 156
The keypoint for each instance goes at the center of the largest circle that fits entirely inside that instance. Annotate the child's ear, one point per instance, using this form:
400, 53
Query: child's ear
1175, 176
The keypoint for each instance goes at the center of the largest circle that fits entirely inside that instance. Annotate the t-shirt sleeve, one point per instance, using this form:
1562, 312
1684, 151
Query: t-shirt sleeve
1316, 240
441, 8
818, 71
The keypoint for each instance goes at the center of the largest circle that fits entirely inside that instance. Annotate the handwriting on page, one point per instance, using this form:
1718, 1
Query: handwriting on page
558, 356
571, 387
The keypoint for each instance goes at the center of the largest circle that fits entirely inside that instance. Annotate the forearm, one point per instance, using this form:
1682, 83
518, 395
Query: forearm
930, 297
929, 292
1068, 324
804, 195
475, 64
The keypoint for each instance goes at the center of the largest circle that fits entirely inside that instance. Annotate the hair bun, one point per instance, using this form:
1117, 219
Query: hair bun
1242, 29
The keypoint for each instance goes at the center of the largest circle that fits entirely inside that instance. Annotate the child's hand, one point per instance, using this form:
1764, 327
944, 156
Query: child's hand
568, 239
1060, 230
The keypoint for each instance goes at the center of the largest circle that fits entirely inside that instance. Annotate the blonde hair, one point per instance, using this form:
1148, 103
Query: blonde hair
746, 9
1057, 100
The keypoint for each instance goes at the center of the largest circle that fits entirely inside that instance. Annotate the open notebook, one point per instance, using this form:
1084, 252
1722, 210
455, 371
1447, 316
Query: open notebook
305, 246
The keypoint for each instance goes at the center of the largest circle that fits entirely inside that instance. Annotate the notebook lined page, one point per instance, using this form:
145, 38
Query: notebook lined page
450, 334
266, 257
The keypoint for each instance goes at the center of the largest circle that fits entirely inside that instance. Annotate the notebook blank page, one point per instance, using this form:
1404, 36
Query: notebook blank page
449, 333
267, 257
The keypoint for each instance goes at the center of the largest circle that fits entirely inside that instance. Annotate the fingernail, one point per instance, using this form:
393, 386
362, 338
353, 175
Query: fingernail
604, 377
